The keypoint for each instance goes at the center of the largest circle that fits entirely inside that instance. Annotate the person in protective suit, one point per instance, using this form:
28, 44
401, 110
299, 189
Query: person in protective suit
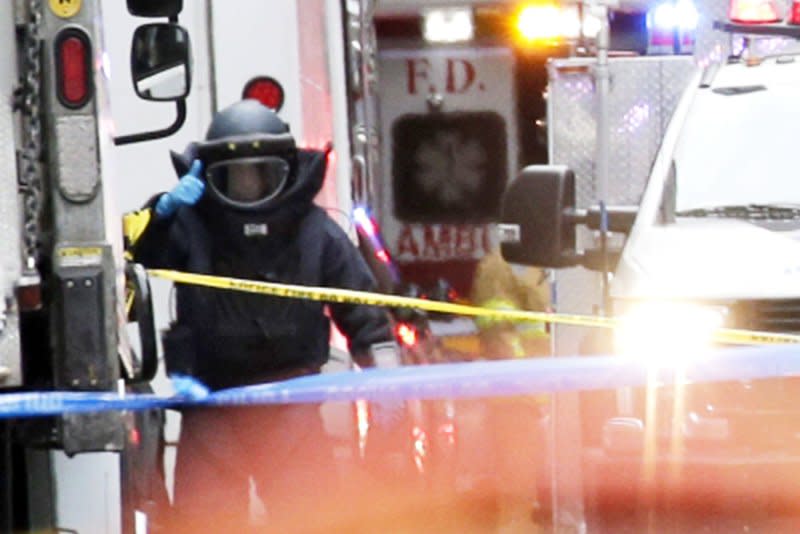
244, 208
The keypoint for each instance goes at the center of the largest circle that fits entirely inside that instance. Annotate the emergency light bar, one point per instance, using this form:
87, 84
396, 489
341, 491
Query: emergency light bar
448, 25
548, 22
762, 18
670, 15
749, 13
671, 27
753, 11
770, 30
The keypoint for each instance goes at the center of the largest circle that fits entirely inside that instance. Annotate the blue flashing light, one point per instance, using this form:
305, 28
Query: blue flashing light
668, 16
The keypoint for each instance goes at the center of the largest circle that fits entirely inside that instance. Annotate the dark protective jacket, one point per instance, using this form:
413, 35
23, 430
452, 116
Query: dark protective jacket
226, 338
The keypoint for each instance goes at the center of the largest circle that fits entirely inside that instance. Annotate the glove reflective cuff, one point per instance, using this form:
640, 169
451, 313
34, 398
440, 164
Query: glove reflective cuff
385, 355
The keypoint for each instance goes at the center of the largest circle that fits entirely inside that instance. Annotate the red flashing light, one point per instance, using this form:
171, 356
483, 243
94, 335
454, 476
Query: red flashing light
407, 334
73, 63
794, 13
382, 255
754, 11
266, 90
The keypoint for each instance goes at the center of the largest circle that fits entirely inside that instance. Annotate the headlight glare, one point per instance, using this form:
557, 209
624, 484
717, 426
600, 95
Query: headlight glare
668, 332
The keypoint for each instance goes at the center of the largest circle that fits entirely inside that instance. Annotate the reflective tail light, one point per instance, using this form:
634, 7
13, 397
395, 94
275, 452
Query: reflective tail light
73, 54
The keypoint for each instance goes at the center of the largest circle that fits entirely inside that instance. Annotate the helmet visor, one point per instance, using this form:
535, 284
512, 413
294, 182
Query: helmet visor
248, 182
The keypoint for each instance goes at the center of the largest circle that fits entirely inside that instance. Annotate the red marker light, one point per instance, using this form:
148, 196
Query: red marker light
266, 90
794, 13
73, 68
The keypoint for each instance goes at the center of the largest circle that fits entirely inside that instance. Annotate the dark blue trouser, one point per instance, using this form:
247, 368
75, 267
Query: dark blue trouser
283, 448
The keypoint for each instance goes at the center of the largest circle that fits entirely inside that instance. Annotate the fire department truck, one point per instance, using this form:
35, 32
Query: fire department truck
63, 314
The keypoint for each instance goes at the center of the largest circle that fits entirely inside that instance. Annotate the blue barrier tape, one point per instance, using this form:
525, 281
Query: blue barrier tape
515, 377
441, 381
39, 404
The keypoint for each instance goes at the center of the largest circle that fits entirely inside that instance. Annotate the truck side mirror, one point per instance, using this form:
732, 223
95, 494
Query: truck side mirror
161, 70
538, 218
161, 62
155, 8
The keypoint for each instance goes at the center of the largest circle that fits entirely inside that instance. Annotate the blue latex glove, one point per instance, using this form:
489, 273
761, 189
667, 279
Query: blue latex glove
188, 191
187, 386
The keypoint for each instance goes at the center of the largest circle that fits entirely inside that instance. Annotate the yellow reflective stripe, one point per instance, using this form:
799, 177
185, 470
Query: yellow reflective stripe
349, 296
134, 224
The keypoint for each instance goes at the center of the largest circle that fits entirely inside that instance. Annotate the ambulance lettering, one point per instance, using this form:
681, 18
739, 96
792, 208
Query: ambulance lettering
443, 242
459, 76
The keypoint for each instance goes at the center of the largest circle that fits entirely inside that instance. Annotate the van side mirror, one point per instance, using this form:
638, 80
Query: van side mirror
537, 218
155, 8
161, 62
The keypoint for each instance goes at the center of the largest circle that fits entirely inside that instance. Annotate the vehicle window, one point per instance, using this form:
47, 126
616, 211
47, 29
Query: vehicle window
449, 167
739, 144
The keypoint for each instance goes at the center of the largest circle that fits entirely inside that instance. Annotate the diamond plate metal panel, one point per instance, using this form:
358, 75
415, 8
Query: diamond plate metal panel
79, 175
643, 94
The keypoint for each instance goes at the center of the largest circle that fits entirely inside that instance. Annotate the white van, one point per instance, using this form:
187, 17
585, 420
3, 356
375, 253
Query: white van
714, 242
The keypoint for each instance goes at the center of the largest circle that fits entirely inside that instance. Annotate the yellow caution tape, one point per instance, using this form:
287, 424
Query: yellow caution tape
753, 337
349, 296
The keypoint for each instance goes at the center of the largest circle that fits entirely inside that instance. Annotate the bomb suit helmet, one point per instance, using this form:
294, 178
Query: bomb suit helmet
249, 155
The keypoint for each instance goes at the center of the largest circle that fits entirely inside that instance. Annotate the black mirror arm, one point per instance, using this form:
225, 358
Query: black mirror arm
180, 118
